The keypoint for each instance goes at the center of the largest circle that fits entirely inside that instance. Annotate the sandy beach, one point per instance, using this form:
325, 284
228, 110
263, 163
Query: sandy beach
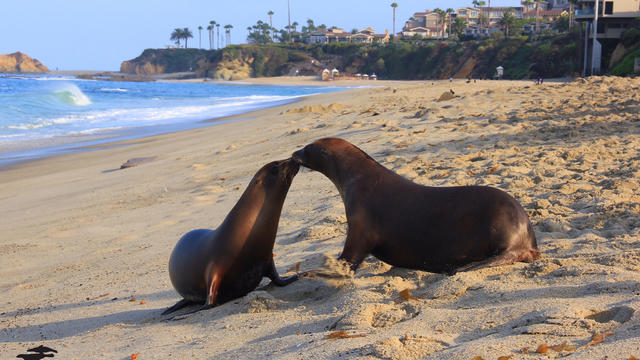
84, 246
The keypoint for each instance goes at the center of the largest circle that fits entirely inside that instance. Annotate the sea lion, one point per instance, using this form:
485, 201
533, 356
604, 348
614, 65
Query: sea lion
211, 267
437, 229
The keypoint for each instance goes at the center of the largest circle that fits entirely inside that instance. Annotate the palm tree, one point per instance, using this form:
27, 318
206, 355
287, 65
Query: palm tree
289, 17
394, 6
295, 26
200, 37
218, 31
572, 4
227, 31
212, 26
209, 30
213, 33
440, 13
311, 28
176, 36
270, 13
186, 34
532, 2
507, 21
538, 13
478, 3
449, 11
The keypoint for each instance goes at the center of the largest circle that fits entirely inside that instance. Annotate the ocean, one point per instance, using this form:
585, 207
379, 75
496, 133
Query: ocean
48, 115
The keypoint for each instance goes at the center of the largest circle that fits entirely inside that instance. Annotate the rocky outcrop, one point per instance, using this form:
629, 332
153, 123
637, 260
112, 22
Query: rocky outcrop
232, 69
164, 61
141, 68
20, 63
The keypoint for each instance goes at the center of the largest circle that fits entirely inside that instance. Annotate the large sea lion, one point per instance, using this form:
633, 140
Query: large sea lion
437, 229
211, 267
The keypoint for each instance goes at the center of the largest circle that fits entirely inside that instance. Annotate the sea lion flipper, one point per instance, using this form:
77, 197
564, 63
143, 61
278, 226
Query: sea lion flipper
189, 313
179, 305
272, 273
507, 258
355, 250
214, 286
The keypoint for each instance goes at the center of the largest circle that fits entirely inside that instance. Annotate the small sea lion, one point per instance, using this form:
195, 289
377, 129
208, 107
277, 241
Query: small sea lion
436, 229
211, 267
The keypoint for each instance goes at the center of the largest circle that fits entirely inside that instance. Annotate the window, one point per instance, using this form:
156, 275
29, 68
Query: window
608, 7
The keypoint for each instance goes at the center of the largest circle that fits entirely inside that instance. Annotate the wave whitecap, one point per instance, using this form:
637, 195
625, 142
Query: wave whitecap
70, 94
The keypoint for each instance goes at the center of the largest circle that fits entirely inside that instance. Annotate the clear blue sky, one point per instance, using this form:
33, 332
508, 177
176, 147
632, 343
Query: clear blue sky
100, 34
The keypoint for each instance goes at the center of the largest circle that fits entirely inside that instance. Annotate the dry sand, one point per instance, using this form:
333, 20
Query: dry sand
84, 246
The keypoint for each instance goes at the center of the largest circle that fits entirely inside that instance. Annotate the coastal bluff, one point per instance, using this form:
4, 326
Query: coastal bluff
18, 62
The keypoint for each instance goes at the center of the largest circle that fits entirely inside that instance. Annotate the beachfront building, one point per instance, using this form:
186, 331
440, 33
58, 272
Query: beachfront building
336, 35
544, 15
471, 15
614, 17
427, 24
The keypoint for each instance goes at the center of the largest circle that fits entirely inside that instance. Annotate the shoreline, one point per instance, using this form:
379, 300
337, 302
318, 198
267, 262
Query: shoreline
70, 143
85, 245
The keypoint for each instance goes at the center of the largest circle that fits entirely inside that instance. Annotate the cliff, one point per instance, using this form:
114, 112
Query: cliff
231, 63
520, 56
20, 63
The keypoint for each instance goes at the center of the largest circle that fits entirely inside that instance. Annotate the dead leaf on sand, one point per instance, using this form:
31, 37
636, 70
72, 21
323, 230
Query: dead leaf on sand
295, 267
563, 347
405, 295
343, 335
542, 349
598, 338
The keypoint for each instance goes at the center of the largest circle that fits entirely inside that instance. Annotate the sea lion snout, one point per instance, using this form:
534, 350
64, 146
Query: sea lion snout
291, 167
298, 156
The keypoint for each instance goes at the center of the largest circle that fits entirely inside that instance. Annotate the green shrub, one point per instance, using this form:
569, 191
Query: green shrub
631, 38
625, 66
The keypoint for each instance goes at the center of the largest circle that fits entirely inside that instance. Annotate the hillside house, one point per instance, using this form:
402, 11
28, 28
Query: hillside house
427, 24
365, 36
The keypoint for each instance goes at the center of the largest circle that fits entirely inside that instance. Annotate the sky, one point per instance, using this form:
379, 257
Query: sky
100, 34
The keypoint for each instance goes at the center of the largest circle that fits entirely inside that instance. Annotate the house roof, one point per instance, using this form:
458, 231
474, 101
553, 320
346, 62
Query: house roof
500, 8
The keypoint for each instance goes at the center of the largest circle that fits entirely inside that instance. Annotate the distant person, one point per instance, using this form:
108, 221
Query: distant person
451, 79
